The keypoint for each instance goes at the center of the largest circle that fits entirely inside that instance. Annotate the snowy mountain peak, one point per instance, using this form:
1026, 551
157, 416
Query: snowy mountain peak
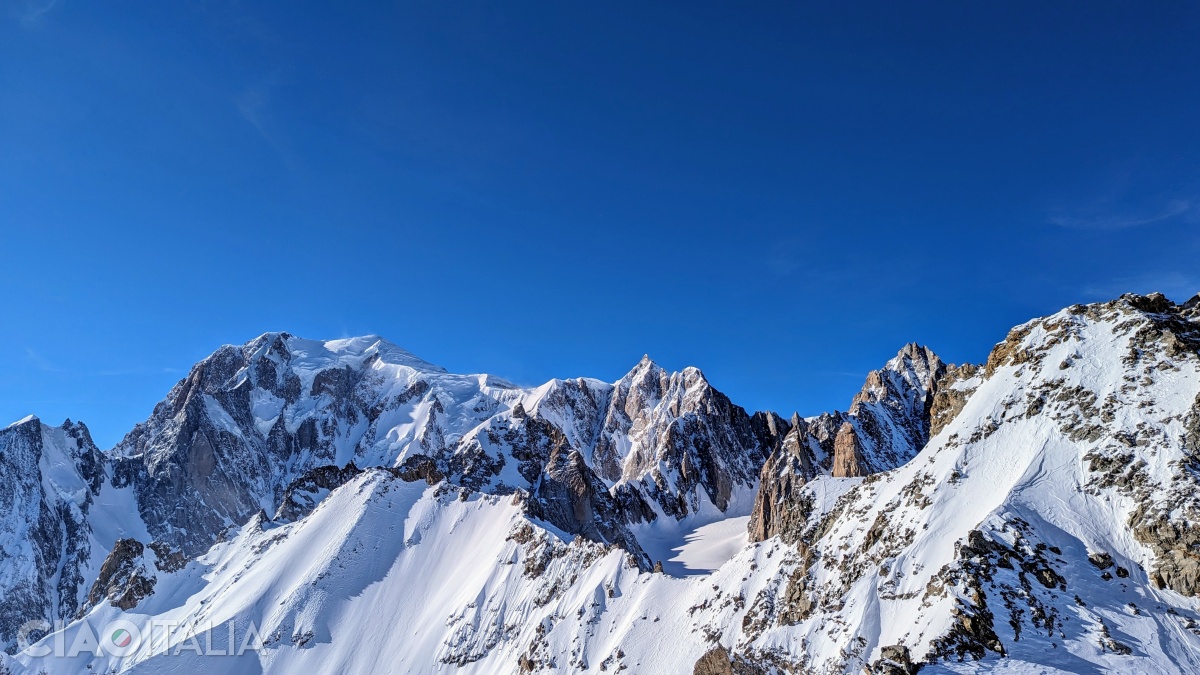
372, 345
915, 361
914, 370
28, 419
342, 352
645, 370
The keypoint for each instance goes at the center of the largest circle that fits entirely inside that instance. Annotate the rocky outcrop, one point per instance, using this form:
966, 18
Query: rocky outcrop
950, 395
848, 461
891, 414
304, 493
715, 661
794, 463
1170, 527
1191, 308
894, 660
124, 578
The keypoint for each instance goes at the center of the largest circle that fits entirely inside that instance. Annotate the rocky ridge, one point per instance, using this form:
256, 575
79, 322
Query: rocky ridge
1036, 509
268, 429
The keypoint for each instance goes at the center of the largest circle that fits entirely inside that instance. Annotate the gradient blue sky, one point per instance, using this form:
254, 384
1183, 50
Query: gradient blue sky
779, 194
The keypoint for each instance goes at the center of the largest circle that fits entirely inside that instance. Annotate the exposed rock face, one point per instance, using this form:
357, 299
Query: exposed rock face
950, 395
717, 661
776, 507
570, 496
887, 425
671, 435
304, 493
51, 475
714, 662
848, 461
895, 660
1170, 529
124, 578
891, 413
222, 443
1191, 309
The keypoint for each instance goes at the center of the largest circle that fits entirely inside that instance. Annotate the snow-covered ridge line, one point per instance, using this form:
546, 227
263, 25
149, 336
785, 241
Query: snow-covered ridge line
269, 427
1046, 526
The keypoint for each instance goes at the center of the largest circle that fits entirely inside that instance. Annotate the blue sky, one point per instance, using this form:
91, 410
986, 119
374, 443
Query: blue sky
779, 193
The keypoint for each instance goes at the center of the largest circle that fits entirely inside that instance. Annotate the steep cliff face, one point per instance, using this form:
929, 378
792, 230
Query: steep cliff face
674, 438
778, 509
848, 460
891, 413
51, 477
888, 423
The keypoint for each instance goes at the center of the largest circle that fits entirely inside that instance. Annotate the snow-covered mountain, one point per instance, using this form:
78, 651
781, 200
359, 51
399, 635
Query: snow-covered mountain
368, 512
588, 457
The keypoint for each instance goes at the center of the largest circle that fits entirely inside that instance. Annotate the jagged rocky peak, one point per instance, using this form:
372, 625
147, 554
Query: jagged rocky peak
249, 419
888, 423
792, 464
676, 440
899, 396
910, 377
889, 419
772, 429
1191, 308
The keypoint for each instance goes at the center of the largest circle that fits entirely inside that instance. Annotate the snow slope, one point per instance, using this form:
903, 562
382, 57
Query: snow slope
1050, 525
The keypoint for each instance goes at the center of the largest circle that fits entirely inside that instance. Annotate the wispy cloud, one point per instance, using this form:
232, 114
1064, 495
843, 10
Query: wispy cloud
253, 105
1096, 220
134, 371
47, 366
29, 13
783, 261
41, 363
